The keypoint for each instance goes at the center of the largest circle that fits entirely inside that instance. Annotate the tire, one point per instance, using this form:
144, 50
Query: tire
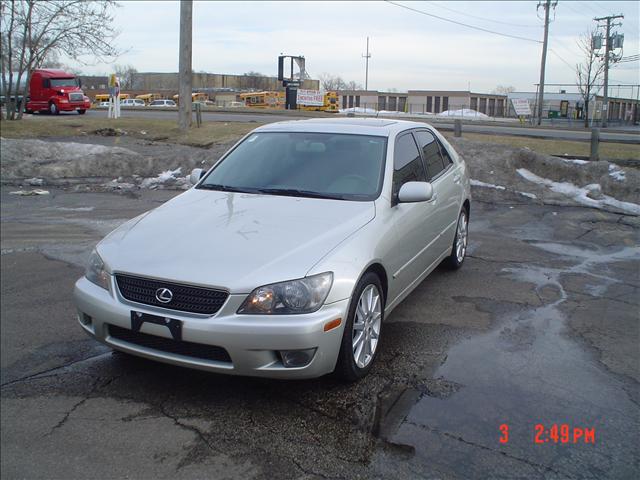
53, 109
460, 241
353, 361
82, 111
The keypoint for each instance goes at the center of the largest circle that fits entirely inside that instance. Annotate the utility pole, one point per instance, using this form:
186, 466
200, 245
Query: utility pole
184, 65
366, 71
547, 6
607, 53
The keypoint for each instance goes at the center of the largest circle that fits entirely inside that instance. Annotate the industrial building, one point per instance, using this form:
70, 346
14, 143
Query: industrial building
425, 101
571, 106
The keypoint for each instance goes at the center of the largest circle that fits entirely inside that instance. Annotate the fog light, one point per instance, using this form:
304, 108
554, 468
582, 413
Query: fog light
297, 358
86, 319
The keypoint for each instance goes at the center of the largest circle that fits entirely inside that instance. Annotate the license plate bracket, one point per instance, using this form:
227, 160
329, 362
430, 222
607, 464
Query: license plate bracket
174, 326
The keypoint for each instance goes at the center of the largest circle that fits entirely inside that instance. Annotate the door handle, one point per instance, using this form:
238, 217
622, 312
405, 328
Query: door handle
456, 178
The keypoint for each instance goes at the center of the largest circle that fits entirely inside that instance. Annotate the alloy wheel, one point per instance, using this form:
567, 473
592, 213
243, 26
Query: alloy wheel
366, 326
461, 237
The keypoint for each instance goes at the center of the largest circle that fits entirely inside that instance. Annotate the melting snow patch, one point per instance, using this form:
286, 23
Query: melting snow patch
168, 177
465, 113
616, 173
528, 195
577, 161
478, 183
582, 195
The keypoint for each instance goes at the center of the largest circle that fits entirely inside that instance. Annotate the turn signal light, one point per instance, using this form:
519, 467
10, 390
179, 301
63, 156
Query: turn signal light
332, 324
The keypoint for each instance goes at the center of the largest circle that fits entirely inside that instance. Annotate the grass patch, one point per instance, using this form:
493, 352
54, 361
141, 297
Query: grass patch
166, 130
608, 150
154, 129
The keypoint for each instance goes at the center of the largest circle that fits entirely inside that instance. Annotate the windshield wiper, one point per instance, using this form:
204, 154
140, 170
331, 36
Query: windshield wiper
226, 188
295, 192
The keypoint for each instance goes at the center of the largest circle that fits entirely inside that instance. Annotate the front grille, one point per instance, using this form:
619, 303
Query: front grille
186, 349
76, 97
186, 298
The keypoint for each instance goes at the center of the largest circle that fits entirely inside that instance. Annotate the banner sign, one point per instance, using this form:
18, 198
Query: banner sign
521, 106
312, 98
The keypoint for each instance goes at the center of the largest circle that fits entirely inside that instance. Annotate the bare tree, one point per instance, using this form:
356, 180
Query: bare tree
126, 74
256, 80
34, 30
351, 85
334, 82
588, 72
503, 90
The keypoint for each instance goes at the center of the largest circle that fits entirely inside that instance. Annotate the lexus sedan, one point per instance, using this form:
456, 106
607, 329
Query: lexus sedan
285, 257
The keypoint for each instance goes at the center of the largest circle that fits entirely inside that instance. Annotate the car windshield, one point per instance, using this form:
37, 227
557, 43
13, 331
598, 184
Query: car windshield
64, 82
318, 165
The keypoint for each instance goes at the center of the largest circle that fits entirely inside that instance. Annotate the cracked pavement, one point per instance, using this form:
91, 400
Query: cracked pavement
539, 327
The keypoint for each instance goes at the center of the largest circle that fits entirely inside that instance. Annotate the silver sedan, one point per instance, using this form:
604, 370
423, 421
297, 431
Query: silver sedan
286, 257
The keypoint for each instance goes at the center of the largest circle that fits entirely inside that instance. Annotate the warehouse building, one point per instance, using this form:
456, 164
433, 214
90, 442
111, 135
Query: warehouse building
425, 101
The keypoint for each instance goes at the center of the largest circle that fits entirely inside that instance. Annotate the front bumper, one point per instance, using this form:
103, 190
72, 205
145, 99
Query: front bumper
252, 341
73, 106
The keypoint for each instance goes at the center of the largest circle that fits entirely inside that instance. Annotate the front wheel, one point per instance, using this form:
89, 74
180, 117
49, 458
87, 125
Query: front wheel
459, 248
362, 329
53, 109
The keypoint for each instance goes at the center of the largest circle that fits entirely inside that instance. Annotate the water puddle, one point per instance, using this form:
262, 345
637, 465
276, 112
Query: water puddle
530, 372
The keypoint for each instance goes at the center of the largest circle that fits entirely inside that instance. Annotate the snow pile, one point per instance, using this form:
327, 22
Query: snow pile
464, 113
386, 113
577, 161
360, 111
616, 173
590, 195
166, 178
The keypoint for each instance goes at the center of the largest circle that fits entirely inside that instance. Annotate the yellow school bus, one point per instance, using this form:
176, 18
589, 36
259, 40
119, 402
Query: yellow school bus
263, 99
195, 97
147, 98
329, 104
104, 97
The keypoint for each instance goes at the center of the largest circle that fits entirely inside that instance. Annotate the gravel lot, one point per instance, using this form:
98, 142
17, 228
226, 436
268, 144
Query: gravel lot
539, 327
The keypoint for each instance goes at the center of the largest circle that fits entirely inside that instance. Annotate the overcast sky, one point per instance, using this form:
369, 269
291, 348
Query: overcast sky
409, 50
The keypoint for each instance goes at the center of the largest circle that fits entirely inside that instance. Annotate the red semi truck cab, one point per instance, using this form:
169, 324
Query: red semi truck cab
56, 91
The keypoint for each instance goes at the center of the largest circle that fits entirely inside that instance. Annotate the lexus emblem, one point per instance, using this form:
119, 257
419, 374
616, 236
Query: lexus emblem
164, 295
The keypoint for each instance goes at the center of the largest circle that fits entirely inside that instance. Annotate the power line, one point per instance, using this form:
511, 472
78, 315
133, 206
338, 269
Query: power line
565, 62
483, 18
462, 24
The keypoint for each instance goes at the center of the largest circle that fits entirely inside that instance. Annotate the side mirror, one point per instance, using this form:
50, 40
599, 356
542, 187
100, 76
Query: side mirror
196, 175
412, 192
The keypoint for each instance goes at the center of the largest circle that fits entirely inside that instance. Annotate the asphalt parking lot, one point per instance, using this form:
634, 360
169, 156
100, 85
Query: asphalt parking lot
540, 327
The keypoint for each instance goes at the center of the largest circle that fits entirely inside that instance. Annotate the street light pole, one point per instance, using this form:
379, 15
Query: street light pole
366, 71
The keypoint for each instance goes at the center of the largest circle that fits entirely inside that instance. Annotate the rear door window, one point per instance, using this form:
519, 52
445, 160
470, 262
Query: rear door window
407, 165
431, 153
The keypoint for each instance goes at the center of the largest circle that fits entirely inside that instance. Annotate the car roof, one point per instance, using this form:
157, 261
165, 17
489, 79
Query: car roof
360, 126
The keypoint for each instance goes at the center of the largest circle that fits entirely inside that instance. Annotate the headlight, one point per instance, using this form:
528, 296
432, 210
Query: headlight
305, 295
95, 271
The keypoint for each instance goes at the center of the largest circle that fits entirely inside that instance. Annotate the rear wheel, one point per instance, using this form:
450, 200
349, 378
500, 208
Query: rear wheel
53, 109
459, 248
362, 330
82, 111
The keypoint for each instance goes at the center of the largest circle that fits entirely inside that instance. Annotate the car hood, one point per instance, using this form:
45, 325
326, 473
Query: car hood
234, 241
